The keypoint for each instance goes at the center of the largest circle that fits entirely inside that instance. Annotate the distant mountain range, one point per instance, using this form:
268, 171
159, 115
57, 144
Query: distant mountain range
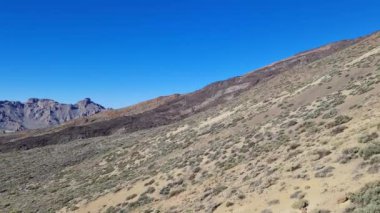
41, 113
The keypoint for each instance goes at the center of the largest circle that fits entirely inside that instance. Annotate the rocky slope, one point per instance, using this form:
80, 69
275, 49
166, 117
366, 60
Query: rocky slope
304, 137
166, 110
127, 111
42, 113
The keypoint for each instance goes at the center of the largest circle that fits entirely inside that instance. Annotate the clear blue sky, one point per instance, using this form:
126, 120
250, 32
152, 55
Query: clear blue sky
119, 52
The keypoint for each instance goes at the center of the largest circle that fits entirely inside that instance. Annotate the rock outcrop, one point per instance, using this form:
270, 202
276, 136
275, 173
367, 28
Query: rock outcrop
41, 113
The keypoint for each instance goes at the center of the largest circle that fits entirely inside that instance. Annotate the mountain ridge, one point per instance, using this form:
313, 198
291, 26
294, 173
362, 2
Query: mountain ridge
302, 138
42, 113
178, 106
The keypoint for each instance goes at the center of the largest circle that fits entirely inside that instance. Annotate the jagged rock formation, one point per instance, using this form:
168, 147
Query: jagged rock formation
41, 113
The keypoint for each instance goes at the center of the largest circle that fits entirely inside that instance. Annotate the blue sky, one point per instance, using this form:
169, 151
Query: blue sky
123, 52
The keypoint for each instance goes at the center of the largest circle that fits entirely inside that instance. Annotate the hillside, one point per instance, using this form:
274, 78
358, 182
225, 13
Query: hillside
300, 135
165, 110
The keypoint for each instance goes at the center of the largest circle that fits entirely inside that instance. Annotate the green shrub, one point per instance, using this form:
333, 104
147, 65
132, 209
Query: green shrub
176, 192
150, 190
112, 209
341, 119
300, 204
367, 199
330, 114
369, 150
143, 200
338, 129
349, 154
218, 189
130, 197
229, 204
320, 211
325, 172
273, 202
291, 123
314, 114
368, 137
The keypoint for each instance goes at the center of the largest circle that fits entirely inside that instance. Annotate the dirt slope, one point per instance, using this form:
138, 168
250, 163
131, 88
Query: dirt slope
165, 110
303, 140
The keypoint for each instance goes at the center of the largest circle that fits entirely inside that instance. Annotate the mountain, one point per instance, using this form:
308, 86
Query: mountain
299, 135
42, 113
169, 109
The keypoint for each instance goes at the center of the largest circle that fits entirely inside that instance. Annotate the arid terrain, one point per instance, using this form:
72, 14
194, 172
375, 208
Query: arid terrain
300, 135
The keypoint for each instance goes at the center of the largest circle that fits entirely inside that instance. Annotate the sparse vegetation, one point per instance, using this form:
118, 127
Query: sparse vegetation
330, 114
325, 172
256, 149
368, 137
349, 154
370, 150
142, 200
341, 119
300, 204
367, 199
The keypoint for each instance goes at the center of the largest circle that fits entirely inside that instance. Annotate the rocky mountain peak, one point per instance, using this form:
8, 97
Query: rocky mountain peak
85, 101
41, 113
